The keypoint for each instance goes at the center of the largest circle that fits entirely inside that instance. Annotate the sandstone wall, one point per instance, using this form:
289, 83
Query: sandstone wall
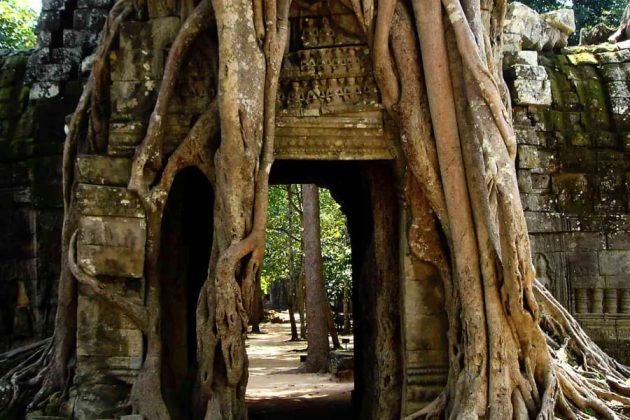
38, 89
572, 120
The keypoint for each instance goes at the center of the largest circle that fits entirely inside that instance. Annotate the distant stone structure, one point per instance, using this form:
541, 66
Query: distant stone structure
570, 111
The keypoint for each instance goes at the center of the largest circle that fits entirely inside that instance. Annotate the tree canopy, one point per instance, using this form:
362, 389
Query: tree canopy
284, 254
17, 25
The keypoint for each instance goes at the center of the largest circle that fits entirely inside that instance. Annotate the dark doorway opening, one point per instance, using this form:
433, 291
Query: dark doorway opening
187, 231
365, 192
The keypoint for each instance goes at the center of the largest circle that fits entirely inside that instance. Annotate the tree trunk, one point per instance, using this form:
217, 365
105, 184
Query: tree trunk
331, 327
317, 337
346, 311
257, 313
301, 303
294, 332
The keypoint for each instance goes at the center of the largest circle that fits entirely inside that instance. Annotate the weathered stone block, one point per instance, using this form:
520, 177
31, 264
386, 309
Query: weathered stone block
529, 136
136, 65
579, 138
562, 19
44, 90
526, 72
49, 21
604, 139
621, 122
583, 264
538, 202
94, 4
615, 72
618, 240
585, 241
538, 222
99, 260
89, 19
103, 170
134, 97
614, 262
569, 182
541, 181
532, 157
57, 72
124, 137
73, 38
620, 104
157, 34
582, 58
614, 57
524, 178
529, 58
547, 242
117, 232
52, 5
93, 200
531, 92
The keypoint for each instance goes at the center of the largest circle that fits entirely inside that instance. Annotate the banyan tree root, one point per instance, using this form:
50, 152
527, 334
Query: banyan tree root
501, 363
623, 31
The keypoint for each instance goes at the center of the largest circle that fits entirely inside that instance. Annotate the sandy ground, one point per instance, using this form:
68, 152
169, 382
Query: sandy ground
276, 390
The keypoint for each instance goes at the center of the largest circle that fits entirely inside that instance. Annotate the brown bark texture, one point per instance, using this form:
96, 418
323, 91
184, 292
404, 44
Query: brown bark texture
316, 301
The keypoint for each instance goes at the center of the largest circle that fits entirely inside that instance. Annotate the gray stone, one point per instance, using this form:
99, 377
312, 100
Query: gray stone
98, 260
562, 19
119, 232
528, 58
538, 222
618, 240
614, 262
620, 104
585, 241
103, 170
93, 200
94, 4
44, 90
531, 92
157, 34
595, 35
526, 29
522, 71
89, 19
531, 157
52, 5
583, 264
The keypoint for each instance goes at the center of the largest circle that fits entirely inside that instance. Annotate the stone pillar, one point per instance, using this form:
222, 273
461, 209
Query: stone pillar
581, 301
610, 301
624, 302
597, 305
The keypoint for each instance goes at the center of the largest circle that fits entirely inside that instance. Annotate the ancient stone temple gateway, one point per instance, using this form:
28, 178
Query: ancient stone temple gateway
571, 112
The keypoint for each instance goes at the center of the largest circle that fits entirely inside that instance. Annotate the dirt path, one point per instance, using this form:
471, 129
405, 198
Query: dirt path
276, 391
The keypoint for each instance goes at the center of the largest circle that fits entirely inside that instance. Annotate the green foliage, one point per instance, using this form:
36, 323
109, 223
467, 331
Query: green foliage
284, 254
588, 13
17, 25
336, 251
283, 246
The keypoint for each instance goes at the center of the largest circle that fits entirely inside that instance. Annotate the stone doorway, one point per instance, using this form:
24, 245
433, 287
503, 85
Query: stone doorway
185, 252
367, 196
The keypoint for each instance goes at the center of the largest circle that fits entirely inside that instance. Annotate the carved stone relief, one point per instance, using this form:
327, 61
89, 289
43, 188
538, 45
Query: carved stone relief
326, 81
